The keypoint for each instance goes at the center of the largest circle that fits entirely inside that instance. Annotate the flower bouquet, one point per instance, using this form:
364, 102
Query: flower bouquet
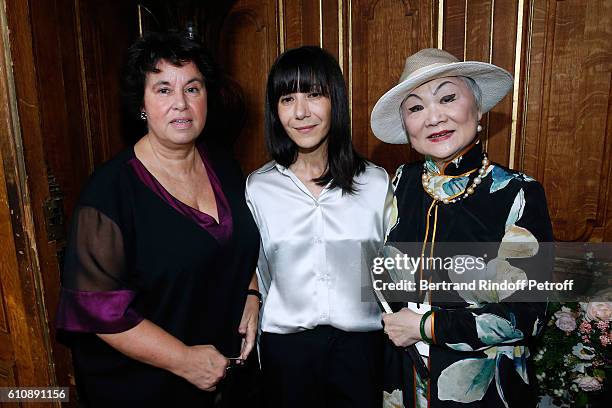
573, 356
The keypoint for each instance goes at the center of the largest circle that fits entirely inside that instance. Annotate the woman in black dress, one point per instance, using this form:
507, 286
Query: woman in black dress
474, 343
161, 259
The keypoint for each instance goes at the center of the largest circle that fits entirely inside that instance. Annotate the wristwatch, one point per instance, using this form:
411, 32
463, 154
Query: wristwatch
257, 294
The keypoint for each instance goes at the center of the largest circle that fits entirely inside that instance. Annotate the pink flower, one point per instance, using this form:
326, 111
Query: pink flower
587, 383
599, 311
605, 340
603, 326
585, 327
565, 321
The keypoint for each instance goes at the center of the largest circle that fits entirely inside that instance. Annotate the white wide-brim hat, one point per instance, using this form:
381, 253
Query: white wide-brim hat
428, 64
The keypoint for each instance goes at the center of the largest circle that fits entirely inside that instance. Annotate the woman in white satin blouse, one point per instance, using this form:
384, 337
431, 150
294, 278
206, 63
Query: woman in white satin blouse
322, 212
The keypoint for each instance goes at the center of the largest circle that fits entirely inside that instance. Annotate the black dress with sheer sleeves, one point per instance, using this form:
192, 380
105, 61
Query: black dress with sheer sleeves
135, 252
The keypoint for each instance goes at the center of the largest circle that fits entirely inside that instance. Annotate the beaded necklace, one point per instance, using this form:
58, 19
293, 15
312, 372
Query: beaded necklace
468, 191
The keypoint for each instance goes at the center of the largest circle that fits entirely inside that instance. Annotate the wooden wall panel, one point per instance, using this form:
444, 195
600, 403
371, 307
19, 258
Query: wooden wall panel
62, 109
7, 376
51, 135
605, 202
331, 14
107, 28
301, 22
477, 30
25, 352
322, 23
309, 22
250, 37
26, 253
502, 51
66, 141
534, 73
567, 140
485, 30
454, 27
3, 321
384, 33
7, 379
8, 273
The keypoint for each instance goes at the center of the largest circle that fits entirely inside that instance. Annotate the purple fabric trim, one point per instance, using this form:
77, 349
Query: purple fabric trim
221, 231
96, 312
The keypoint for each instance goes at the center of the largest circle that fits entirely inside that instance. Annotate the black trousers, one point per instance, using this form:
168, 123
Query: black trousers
322, 367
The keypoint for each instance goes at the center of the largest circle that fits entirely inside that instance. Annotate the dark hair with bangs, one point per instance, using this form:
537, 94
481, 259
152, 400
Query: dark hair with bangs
307, 69
172, 46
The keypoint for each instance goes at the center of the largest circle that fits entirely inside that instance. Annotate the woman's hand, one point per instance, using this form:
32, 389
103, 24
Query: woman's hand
403, 327
203, 366
248, 326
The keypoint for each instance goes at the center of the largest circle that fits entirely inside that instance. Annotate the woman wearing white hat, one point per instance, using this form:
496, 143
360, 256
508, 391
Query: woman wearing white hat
474, 344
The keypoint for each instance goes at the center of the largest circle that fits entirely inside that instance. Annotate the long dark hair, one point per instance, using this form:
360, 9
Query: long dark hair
307, 69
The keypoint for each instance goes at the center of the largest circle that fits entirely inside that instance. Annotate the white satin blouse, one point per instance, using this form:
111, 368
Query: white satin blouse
315, 253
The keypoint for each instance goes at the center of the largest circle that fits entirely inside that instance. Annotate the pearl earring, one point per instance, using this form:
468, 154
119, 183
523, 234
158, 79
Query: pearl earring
479, 128
143, 115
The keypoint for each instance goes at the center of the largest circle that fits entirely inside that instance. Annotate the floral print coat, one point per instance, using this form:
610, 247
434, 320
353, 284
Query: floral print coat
479, 355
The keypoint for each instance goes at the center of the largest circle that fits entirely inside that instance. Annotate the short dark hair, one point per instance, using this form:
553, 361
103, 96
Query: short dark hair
307, 69
172, 46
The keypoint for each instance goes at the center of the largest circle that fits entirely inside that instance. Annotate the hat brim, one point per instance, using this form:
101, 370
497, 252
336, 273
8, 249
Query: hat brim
386, 120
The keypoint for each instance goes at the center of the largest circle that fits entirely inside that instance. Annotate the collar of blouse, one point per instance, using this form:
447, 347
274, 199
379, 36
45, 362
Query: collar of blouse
457, 178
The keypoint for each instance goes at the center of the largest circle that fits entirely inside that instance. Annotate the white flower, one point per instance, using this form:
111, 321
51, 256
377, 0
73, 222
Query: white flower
583, 352
588, 383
